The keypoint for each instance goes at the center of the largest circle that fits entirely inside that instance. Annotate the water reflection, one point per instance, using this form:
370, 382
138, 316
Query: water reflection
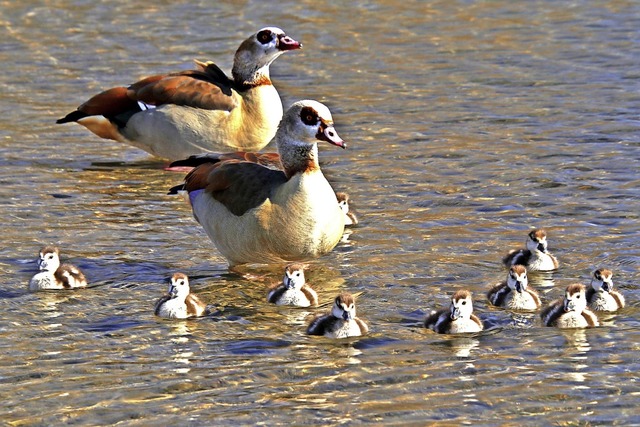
576, 343
542, 280
463, 346
345, 238
347, 353
467, 124
458, 346
576, 348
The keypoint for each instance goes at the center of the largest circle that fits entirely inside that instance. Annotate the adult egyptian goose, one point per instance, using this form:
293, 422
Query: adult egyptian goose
53, 275
179, 302
536, 256
341, 322
456, 319
256, 214
179, 114
570, 312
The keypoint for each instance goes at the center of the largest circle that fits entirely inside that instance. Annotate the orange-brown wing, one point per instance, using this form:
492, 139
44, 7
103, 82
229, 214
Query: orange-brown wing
198, 178
109, 103
191, 88
238, 185
208, 88
270, 160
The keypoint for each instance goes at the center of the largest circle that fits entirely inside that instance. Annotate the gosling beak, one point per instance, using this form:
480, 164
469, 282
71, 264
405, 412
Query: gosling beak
519, 286
173, 291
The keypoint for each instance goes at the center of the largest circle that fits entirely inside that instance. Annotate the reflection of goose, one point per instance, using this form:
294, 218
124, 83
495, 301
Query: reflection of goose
535, 257
576, 347
293, 290
342, 322
256, 214
543, 281
570, 312
180, 303
456, 319
195, 111
601, 296
462, 345
54, 275
515, 293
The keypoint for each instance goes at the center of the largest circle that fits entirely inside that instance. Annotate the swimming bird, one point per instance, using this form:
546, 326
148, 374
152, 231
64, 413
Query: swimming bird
294, 290
350, 217
456, 319
256, 214
535, 257
570, 312
515, 293
53, 275
341, 322
600, 295
180, 303
194, 111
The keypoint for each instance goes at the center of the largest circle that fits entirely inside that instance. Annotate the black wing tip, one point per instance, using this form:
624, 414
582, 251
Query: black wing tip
74, 116
176, 189
196, 160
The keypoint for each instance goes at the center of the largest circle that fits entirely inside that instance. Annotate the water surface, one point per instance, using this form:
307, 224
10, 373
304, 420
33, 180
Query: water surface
468, 123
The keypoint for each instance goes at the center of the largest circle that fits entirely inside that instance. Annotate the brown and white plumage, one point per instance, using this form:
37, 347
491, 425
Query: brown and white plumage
601, 296
570, 312
179, 302
341, 322
350, 217
256, 214
515, 293
54, 275
189, 112
294, 290
456, 319
536, 256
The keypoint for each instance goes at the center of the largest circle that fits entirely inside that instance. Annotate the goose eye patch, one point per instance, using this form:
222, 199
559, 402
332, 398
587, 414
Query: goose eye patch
264, 36
309, 116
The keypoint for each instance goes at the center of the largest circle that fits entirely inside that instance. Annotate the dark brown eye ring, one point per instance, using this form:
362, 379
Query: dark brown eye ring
265, 36
309, 116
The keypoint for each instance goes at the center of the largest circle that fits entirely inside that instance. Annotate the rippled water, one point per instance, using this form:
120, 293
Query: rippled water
468, 123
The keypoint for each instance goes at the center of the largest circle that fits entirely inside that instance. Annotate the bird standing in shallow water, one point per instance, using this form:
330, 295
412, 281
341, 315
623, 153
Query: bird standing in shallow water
294, 289
54, 275
341, 322
570, 312
257, 214
189, 112
179, 302
536, 256
456, 319
601, 296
